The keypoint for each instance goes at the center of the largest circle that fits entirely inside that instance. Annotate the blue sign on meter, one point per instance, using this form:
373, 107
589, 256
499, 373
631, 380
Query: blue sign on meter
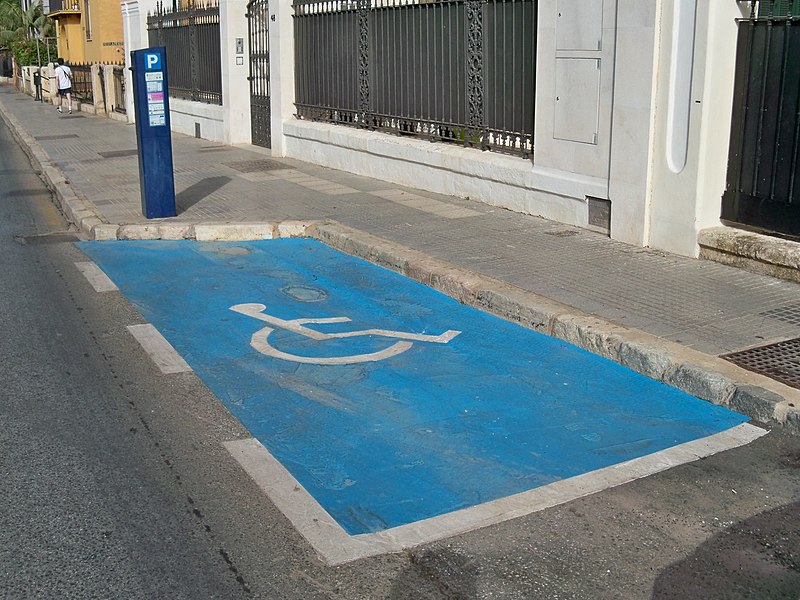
153, 134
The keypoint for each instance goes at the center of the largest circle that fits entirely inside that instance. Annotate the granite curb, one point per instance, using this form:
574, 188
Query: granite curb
78, 209
707, 377
704, 376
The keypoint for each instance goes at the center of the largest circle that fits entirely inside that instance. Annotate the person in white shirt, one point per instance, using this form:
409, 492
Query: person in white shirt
64, 83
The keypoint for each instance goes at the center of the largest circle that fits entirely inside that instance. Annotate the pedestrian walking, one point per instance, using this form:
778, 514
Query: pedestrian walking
64, 83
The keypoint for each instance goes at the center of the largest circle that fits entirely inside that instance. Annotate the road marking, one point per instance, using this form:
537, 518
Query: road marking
159, 349
99, 280
260, 342
497, 411
335, 546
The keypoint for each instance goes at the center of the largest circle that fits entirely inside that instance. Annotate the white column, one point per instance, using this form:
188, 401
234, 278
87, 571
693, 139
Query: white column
235, 69
134, 26
692, 121
281, 47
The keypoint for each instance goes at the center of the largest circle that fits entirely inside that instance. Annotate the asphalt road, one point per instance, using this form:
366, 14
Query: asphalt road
114, 482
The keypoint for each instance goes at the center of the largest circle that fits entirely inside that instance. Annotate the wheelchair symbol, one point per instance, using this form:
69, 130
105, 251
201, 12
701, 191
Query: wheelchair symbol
260, 339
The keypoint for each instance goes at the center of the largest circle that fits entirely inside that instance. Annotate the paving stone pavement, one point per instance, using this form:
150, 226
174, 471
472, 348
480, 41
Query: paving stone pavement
709, 307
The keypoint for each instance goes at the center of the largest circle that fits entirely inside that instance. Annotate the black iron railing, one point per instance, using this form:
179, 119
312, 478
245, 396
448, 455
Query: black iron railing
82, 82
453, 70
776, 8
59, 5
190, 33
763, 186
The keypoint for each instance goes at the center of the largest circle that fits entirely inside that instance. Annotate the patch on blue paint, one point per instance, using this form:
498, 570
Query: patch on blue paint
441, 424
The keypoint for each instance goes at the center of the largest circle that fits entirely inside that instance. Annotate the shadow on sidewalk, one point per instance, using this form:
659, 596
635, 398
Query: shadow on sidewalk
196, 192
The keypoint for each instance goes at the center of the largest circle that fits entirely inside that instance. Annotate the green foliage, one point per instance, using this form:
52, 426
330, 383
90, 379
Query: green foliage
26, 52
18, 25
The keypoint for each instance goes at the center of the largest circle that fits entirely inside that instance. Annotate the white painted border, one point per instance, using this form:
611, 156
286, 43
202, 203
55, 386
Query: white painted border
159, 349
96, 277
335, 546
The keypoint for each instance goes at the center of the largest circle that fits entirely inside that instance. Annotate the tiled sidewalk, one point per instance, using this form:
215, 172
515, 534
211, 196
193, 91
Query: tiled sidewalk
702, 305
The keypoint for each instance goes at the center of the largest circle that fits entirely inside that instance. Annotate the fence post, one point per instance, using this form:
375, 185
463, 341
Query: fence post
363, 9
109, 92
49, 90
98, 93
474, 80
193, 46
233, 67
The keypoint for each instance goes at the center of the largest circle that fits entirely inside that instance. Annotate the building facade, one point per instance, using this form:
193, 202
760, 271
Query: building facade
630, 106
88, 31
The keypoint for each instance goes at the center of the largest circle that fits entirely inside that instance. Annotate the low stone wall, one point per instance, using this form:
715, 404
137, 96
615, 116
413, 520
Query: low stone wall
758, 253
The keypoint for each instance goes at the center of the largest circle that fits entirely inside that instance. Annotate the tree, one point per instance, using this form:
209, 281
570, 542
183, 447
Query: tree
22, 30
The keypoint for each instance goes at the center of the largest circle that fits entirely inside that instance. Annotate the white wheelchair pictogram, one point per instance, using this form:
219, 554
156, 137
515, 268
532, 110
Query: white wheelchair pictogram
260, 339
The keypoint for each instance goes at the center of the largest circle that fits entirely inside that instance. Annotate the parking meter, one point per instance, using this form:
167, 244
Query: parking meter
153, 134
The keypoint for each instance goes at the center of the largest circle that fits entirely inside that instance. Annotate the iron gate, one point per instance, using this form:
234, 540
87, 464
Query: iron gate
763, 187
258, 29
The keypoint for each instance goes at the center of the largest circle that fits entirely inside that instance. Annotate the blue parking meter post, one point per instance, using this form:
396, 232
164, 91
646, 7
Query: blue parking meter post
153, 134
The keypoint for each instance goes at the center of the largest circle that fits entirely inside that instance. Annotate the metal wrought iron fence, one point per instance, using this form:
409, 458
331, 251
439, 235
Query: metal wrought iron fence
190, 33
763, 187
82, 82
453, 70
776, 8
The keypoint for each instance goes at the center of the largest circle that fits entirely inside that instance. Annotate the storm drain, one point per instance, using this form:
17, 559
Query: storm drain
253, 166
779, 361
562, 233
64, 136
788, 314
118, 153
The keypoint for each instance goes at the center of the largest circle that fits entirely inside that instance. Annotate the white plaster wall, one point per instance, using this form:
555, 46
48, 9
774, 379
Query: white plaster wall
496, 179
632, 120
185, 115
687, 198
717, 110
556, 46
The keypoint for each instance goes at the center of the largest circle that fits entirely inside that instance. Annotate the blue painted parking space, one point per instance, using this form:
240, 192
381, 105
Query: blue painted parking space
390, 402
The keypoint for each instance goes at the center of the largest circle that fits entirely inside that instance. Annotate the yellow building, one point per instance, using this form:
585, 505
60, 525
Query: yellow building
88, 31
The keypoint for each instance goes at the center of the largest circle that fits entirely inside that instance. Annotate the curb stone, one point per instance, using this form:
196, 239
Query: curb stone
707, 377
78, 210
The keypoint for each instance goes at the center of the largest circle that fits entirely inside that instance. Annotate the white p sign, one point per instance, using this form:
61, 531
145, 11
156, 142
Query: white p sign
152, 61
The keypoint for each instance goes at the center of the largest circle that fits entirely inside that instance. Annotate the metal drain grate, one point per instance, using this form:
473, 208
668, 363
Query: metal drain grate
788, 314
779, 361
252, 166
118, 153
65, 136
562, 233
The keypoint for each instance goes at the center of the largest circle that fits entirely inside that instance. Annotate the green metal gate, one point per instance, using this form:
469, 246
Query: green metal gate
763, 187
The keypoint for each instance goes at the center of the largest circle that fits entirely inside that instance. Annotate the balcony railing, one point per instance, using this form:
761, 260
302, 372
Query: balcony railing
56, 6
